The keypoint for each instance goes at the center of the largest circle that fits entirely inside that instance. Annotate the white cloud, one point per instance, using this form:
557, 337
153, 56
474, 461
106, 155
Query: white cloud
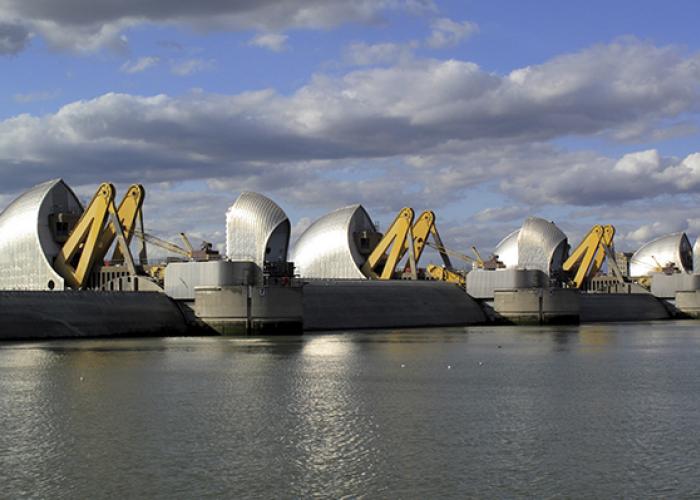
501, 214
275, 42
588, 179
139, 65
422, 132
86, 25
188, 67
362, 54
83, 38
447, 33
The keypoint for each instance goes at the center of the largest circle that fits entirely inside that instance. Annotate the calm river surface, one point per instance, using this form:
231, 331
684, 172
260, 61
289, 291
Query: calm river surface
592, 411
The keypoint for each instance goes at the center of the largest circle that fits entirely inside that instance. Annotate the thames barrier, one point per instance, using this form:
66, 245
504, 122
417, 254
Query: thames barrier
57, 278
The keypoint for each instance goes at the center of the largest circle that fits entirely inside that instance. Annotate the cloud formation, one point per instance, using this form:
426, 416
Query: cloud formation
88, 25
423, 132
14, 38
189, 67
275, 42
139, 65
363, 54
447, 33
434, 113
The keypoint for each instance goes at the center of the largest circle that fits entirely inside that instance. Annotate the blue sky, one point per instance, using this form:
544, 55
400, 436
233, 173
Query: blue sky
485, 112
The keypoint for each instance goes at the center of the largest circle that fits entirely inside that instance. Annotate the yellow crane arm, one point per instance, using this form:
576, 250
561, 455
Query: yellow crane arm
77, 256
166, 245
607, 240
589, 255
421, 230
129, 210
443, 274
390, 249
187, 243
479, 260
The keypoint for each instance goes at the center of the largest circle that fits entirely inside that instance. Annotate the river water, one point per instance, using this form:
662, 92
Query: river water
591, 411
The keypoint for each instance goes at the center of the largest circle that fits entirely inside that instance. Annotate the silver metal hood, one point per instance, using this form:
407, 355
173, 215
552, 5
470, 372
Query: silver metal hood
672, 248
257, 230
541, 245
507, 250
28, 245
328, 248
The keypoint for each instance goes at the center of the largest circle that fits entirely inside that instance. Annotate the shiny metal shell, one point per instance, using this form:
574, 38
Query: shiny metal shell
507, 250
257, 230
672, 248
696, 256
541, 245
328, 249
27, 245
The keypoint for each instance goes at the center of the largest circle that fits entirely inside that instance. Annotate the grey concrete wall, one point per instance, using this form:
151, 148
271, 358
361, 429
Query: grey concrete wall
688, 303
35, 315
538, 305
349, 304
621, 307
181, 278
666, 285
481, 283
242, 310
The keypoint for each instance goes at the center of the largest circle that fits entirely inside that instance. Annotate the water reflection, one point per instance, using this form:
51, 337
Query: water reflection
597, 410
597, 337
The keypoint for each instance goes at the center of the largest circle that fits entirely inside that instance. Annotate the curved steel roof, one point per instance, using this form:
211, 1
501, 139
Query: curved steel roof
672, 248
696, 256
541, 245
27, 245
328, 249
538, 244
257, 230
507, 249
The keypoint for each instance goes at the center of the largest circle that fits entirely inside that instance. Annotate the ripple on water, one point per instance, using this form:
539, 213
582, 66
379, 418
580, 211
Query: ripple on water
543, 412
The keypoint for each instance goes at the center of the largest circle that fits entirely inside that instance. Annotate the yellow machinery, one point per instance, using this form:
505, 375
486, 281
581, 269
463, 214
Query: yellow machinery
206, 251
404, 236
441, 273
101, 224
587, 258
96, 230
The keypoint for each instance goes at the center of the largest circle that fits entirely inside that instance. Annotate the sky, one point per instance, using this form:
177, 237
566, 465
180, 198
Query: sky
484, 111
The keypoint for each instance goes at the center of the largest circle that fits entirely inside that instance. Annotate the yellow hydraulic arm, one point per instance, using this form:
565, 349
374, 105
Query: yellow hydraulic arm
403, 236
382, 261
170, 247
129, 214
90, 239
441, 273
588, 256
422, 230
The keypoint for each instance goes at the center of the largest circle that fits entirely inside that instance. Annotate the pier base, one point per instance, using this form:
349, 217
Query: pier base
688, 303
250, 310
538, 306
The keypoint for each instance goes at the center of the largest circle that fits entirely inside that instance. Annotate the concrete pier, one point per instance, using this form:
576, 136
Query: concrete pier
597, 307
688, 303
40, 315
539, 306
250, 310
353, 304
